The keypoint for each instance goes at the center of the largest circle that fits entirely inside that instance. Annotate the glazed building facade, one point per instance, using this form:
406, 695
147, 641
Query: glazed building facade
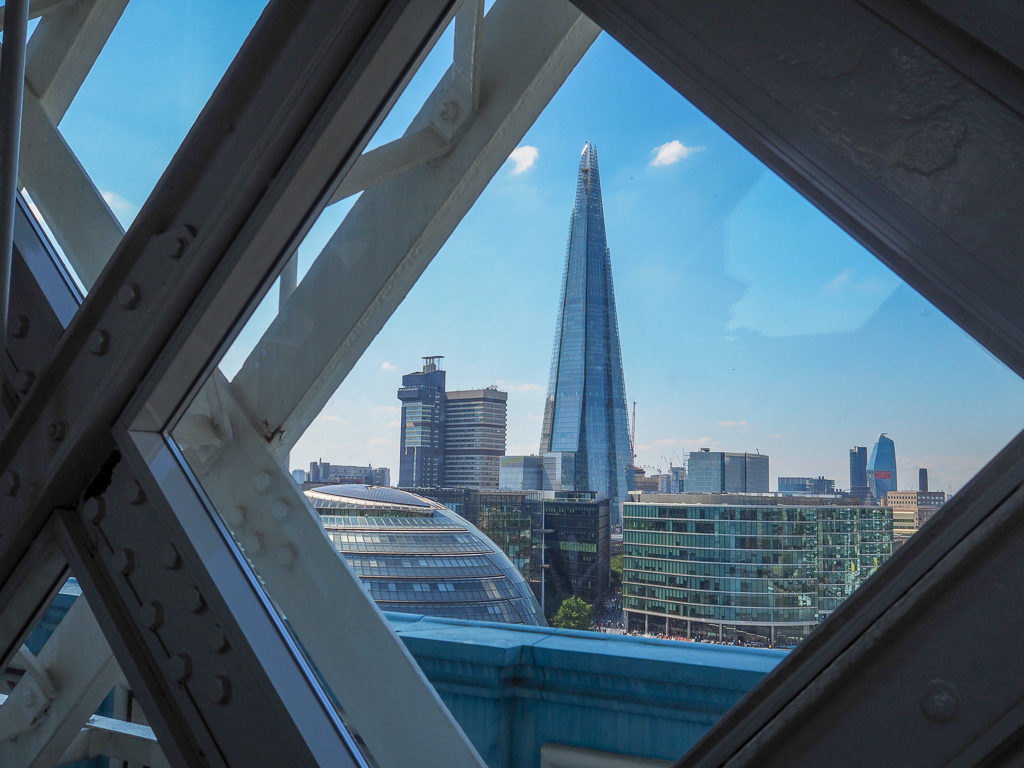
759, 572
415, 555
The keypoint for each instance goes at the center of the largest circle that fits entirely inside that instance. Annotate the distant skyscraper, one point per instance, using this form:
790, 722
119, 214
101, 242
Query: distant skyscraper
881, 469
421, 463
474, 437
922, 479
859, 472
585, 412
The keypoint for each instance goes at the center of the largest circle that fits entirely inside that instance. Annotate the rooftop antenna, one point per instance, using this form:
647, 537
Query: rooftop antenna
430, 363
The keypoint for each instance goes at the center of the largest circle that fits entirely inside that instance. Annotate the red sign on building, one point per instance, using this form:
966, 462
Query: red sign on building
880, 475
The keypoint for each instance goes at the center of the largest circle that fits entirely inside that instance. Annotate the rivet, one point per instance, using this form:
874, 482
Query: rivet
57, 430
129, 295
194, 600
152, 616
94, 509
216, 640
169, 557
31, 699
262, 481
23, 381
133, 493
181, 667
941, 701
19, 327
9, 482
286, 556
123, 561
280, 509
187, 232
99, 343
449, 111
235, 516
254, 543
219, 690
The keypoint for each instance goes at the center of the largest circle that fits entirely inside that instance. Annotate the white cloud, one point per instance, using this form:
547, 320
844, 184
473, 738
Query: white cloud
394, 424
840, 280
382, 442
730, 423
125, 210
671, 153
393, 409
335, 419
523, 158
386, 366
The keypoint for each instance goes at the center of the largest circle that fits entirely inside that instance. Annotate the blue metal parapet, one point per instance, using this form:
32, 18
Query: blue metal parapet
514, 688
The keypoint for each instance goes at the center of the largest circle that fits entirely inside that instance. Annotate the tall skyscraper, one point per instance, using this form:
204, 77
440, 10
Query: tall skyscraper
858, 466
585, 412
421, 462
922, 479
859, 472
881, 469
474, 437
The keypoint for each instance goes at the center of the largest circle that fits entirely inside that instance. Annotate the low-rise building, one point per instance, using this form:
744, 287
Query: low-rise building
756, 569
912, 509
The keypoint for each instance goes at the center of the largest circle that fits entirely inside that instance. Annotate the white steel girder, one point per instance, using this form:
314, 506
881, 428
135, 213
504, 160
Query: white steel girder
37, 725
360, 660
527, 50
380, 44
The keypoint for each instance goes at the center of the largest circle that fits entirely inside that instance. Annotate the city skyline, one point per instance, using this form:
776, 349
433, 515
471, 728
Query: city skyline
749, 321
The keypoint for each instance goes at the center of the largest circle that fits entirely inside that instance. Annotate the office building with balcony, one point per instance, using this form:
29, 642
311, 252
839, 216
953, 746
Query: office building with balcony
415, 555
585, 410
745, 569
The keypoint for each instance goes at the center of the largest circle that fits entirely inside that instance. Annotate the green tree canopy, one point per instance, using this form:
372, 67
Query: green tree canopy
573, 613
616, 567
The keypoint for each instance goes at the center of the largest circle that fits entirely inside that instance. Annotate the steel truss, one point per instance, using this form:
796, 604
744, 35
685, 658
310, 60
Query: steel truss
92, 477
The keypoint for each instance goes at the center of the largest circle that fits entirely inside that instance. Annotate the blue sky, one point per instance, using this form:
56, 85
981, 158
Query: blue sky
749, 321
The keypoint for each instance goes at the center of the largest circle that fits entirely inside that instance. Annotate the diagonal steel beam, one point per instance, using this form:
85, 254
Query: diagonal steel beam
308, 89
63, 49
904, 131
305, 576
371, 262
36, 728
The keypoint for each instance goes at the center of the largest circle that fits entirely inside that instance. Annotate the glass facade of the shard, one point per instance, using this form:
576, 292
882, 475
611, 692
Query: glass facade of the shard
585, 411
882, 468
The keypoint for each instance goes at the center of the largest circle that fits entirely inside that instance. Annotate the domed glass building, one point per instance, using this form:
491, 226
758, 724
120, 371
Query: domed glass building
417, 556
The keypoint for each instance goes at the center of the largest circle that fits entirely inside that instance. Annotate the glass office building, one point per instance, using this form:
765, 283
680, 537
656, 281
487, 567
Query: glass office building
721, 472
415, 555
881, 470
421, 458
574, 531
585, 411
762, 573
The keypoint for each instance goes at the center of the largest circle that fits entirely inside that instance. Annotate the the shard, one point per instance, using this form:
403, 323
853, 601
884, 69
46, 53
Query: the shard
585, 412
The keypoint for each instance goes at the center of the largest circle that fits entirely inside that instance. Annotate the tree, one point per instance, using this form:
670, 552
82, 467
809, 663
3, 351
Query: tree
573, 613
616, 568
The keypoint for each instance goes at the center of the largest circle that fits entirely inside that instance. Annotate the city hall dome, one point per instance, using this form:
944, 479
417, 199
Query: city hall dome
417, 556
